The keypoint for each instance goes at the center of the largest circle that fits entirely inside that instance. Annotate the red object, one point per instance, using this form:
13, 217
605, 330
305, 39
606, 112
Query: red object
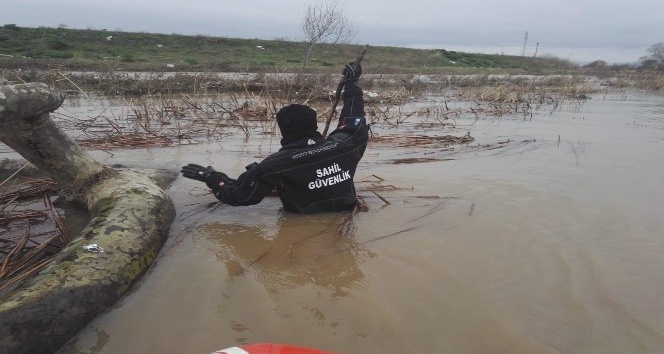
270, 348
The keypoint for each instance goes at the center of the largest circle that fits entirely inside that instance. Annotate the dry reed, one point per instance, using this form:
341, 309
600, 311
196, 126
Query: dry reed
420, 141
29, 238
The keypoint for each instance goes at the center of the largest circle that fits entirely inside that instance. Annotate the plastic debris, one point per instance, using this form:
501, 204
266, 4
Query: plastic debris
94, 248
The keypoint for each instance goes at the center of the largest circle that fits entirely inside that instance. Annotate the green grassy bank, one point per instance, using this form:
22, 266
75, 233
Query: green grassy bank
75, 49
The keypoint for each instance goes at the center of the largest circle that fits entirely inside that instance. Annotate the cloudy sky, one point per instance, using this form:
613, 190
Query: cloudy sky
578, 30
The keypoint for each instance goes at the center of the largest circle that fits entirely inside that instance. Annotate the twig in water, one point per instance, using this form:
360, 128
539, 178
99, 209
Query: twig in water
381, 198
201, 208
390, 235
345, 225
79, 89
291, 249
261, 256
13, 174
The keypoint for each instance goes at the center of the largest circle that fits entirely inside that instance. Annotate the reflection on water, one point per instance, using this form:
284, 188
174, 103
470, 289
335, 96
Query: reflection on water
304, 250
550, 242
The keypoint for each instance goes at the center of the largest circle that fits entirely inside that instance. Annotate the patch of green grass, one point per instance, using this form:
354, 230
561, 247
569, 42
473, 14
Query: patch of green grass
76, 49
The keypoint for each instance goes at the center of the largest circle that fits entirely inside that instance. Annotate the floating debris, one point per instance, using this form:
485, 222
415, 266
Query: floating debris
94, 248
125, 141
29, 238
412, 160
28, 189
424, 141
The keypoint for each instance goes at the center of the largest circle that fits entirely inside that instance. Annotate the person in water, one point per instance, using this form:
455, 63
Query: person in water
310, 174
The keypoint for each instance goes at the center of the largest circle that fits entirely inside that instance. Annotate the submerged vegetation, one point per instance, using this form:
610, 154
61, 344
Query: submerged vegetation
30, 233
164, 119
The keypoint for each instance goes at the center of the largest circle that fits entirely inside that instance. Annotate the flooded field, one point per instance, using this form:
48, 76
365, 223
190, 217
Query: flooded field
542, 235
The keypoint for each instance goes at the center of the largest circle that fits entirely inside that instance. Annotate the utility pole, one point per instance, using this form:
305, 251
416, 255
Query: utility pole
536, 48
525, 41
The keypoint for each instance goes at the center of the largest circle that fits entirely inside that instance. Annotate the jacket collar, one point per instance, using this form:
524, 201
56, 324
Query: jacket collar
302, 140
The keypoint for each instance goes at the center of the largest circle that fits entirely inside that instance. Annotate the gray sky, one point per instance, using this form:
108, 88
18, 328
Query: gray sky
578, 30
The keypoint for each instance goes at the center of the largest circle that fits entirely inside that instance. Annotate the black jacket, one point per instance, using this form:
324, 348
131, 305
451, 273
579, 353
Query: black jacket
310, 174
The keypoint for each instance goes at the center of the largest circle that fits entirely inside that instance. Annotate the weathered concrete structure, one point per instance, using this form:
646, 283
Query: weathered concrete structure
130, 216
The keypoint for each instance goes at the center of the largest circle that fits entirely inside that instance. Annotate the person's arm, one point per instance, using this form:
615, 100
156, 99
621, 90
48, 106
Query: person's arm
246, 190
351, 118
353, 99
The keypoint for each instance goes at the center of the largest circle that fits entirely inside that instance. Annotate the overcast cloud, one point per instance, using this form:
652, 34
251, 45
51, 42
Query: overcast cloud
578, 30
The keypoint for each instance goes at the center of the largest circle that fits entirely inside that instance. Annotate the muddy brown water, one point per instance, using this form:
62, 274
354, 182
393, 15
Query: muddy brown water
547, 240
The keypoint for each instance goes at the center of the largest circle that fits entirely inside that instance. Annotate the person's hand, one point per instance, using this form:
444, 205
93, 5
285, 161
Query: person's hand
352, 71
206, 175
197, 172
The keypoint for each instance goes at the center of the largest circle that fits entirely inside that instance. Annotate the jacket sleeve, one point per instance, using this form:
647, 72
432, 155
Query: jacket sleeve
353, 101
248, 189
352, 124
